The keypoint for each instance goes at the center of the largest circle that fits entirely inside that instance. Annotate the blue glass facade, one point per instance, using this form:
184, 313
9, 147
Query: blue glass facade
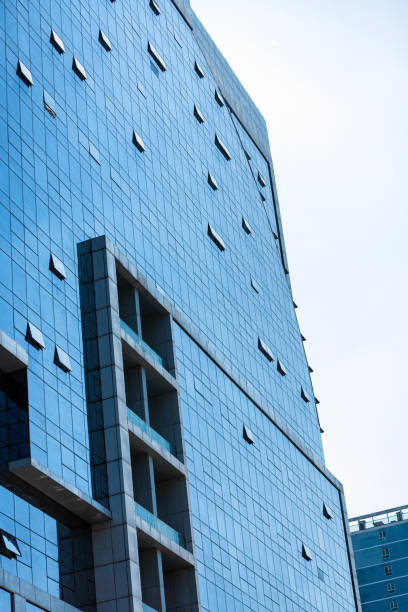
380, 544
160, 443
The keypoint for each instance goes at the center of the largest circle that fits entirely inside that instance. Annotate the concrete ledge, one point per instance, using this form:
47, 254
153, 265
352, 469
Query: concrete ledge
12, 356
175, 556
135, 354
25, 591
59, 490
141, 442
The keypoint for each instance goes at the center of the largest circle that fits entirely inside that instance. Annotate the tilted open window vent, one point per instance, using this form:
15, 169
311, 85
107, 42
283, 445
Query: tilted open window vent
221, 146
9, 546
215, 237
155, 7
281, 368
156, 56
138, 142
248, 435
78, 68
264, 348
212, 182
56, 42
24, 74
62, 360
304, 395
198, 114
105, 42
57, 267
34, 336
218, 98
245, 226
198, 70
327, 512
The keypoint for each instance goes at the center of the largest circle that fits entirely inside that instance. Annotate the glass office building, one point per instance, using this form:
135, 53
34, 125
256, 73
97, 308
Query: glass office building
380, 543
160, 443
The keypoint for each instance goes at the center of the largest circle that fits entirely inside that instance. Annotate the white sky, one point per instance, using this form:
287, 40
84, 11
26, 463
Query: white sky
330, 77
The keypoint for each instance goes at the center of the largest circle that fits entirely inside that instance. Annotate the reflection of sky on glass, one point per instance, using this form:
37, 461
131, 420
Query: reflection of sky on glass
331, 80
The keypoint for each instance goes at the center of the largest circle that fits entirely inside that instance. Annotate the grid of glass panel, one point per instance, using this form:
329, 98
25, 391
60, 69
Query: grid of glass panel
255, 506
70, 170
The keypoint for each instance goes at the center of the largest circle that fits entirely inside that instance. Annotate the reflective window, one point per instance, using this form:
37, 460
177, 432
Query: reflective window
56, 42
215, 237
156, 56
198, 70
154, 6
104, 40
78, 68
24, 73
5, 601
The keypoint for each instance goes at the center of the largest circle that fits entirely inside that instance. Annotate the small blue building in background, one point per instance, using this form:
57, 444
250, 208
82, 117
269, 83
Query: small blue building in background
380, 543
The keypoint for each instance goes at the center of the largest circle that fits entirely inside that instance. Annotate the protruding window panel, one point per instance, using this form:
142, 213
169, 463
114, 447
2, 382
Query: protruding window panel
303, 338
218, 98
34, 336
246, 227
49, 104
24, 74
303, 394
78, 68
177, 39
198, 70
104, 40
281, 368
57, 267
388, 570
9, 545
385, 552
261, 180
248, 435
62, 360
93, 152
327, 512
156, 56
311, 370
295, 305
247, 155
56, 42
317, 401
198, 114
141, 88
382, 534
215, 237
393, 604
254, 285
138, 142
221, 146
265, 350
275, 236
212, 182
155, 7
306, 554
261, 195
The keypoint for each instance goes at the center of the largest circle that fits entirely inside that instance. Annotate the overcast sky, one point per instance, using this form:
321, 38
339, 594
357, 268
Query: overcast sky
330, 78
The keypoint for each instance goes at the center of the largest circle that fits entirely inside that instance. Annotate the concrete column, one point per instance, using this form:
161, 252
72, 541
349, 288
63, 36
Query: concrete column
115, 547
